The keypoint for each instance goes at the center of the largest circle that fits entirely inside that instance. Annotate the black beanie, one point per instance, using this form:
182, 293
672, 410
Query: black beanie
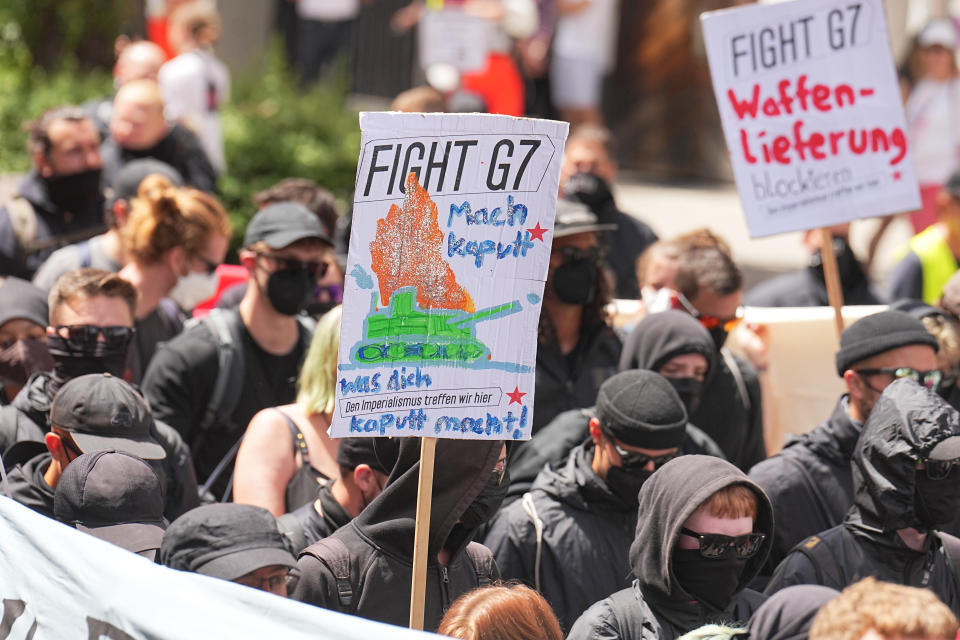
878, 333
641, 409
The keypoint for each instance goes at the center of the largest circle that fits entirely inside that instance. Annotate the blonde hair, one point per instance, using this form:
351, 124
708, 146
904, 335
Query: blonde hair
317, 384
948, 356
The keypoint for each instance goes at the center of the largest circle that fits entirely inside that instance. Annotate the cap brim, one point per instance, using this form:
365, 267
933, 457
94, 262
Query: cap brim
239, 563
141, 447
949, 449
560, 232
281, 239
132, 536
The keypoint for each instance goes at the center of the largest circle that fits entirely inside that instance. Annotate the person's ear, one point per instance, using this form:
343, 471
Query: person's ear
121, 209
366, 479
42, 164
854, 384
56, 448
247, 259
595, 433
177, 261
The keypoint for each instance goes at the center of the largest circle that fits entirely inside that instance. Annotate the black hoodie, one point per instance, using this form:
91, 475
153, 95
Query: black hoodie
789, 614
906, 423
662, 336
377, 545
656, 606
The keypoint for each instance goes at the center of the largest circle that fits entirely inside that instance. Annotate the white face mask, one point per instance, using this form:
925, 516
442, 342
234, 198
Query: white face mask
656, 300
194, 288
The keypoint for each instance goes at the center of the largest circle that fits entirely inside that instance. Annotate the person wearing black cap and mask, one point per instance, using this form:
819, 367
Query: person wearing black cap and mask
906, 485
809, 481
577, 348
23, 340
569, 537
285, 251
789, 613
373, 554
703, 533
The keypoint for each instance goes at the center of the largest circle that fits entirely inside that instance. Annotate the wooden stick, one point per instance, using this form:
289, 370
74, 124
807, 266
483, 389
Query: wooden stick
421, 538
831, 275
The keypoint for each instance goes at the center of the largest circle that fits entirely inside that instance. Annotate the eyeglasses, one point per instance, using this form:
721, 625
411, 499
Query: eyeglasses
271, 583
929, 379
708, 322
88, 334
634, 460
316, 268
938, 469
716, 545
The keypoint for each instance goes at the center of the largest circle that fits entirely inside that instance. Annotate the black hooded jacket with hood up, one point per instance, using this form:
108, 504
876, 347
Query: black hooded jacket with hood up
656, 606
377, 545
906, 423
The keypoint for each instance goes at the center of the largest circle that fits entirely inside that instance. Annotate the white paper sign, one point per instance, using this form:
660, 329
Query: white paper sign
451, 36
449, 249
811, 111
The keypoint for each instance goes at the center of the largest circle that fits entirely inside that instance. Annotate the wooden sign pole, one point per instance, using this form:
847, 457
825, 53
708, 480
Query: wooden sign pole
421, 538
831, 275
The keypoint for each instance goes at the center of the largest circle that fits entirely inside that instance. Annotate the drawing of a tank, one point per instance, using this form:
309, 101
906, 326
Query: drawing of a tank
404, 333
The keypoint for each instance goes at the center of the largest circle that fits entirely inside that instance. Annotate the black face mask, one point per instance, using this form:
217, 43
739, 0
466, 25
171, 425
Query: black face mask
485, 505
593, 191
936, 502
689, 390
22, 359
947, 385
75, 192
626, 483
289, 290
72, 360
575, 281
718, 335
851, 272
713, 582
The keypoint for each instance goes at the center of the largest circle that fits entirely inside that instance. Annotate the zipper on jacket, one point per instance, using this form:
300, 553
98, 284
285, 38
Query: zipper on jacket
445, 588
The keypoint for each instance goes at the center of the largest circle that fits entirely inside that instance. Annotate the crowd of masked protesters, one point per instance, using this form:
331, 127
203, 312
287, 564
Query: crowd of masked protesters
178, 407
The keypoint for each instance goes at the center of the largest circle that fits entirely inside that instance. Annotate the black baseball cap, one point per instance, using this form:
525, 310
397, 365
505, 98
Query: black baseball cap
20, 299
225, 541
114, 496
575, 217
641, 409
129, 176
282, 224
102, 412
352, 452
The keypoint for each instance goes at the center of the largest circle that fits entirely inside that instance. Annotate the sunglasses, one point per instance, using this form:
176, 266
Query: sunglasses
210, 266
316, 268
87, 335
708, 322
929, 379
575, 253
938, 469
716, 545
634, 460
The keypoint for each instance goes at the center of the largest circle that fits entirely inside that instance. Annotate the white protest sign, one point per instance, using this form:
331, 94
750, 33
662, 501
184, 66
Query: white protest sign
449, 249
451, 36
811, 112
56, 582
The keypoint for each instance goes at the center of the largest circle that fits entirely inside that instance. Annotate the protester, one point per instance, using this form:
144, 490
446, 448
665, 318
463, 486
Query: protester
324, 31
702, 535
360, 479
657, 275
364, 568
873, 610
195, 84
940, 325
809, 482
139, 60
138, 129
59, 202
501, 612
113, 496
789, 613
235, 542
174, 239
209, 381
569, 537
286, 453
23, 340
423, 99
105, 251
905, 487
576, 348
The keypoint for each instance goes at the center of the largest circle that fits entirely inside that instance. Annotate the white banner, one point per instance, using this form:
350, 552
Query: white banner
812, 112
56, 582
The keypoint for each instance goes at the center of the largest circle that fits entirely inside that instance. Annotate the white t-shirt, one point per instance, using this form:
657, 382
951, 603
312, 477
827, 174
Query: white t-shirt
589, 34
194, 86
328, 10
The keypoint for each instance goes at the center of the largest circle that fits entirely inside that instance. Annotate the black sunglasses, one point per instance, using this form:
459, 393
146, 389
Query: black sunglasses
88, 334
210, 265
929, 379
716, 545
633, 460
316, 268
938, 469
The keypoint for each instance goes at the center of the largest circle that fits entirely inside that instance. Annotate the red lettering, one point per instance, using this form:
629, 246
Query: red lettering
821, 93
900, 142
877, 137
835, 138
780, 146
858, 149
815, 142
798, 139
785, 99
842, 90
802, 91
749, 157
746, 107
770, 107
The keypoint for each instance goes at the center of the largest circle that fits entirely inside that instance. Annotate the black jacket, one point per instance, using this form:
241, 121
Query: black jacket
656, 606
180, 148
586, 537
905, 424
318, 522
28, 487
789, 613
379, 541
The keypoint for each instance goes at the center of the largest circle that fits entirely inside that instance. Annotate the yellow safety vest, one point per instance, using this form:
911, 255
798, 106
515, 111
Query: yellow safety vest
936, 261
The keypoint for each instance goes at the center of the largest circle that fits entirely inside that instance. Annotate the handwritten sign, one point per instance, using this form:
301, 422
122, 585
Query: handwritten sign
452, 228
811, 111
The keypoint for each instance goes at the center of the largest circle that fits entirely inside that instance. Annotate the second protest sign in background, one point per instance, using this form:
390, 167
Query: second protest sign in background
449, 250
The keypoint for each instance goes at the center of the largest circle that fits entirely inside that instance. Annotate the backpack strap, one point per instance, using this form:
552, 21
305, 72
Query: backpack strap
336, 558
531, 510
737, 378
292, 531
823, 561
24, 221
299, 442
484, 565
950, 545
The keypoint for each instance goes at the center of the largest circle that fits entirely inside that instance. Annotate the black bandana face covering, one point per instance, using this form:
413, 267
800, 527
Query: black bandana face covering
574, 281
711, 580
689, 390
936, 502
626, 483
22, 359
73, 359
289, 290
75, 191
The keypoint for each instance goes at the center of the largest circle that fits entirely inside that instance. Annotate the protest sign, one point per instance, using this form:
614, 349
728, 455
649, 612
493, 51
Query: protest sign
811, 111
449, 35
449, 249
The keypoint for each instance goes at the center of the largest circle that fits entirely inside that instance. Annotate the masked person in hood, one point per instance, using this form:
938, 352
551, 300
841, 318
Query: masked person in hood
703, 533
59, 202
577, 348
365, 567
569, 537
23, 339
906, 486
261, 343
809, 481
89, 332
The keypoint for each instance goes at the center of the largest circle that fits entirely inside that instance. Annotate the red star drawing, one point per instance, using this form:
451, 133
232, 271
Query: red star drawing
537, 232
516, 395
896, 175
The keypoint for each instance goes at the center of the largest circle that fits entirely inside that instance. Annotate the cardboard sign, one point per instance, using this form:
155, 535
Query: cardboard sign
449, 250
812, 113
451, 36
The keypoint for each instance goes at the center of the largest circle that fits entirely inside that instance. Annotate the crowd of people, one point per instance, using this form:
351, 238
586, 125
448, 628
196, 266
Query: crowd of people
178, 407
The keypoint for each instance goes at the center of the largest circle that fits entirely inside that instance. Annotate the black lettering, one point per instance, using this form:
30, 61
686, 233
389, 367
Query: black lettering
406, 164
504, 167
464, 146
835, 33
432, 164
534, 144
806, 33
784, 41
736, 53
767, 36
855, 8
376, 168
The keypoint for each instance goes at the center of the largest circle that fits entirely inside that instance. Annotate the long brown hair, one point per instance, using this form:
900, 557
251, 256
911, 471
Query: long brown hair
501, 612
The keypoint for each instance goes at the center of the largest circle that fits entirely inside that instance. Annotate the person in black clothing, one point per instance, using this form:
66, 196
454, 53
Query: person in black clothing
789, 613
577, 349
23, 338
59, 202
373, 554
809, 481
703, 533
284, 253
138, 129
569, 537
906, 484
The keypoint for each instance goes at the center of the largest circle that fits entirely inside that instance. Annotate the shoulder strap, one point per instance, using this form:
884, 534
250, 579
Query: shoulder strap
336, 557
531, 510
951, 548
24, 220
737, 377
299, 443
483, 564
823, 561
225, 326
292, 531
